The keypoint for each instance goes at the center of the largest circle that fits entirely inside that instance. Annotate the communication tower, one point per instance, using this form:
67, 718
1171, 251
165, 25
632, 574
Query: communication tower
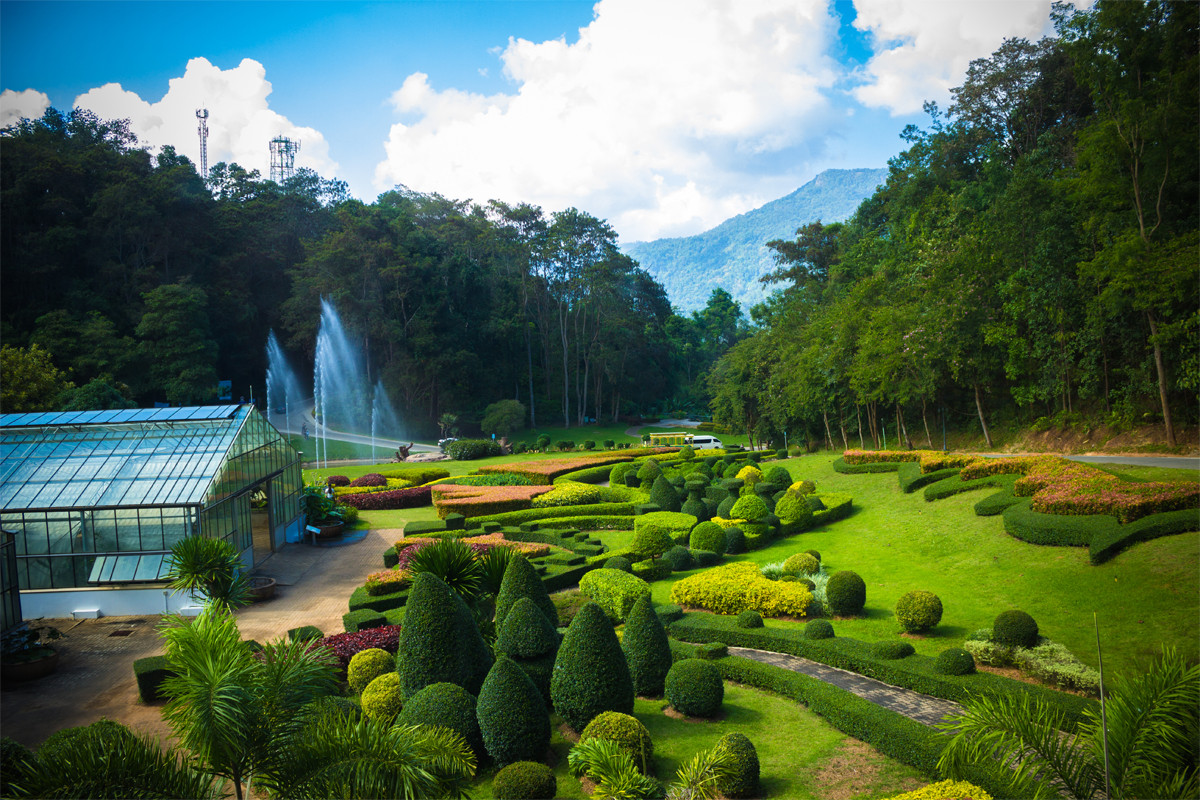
283, 158
202, 115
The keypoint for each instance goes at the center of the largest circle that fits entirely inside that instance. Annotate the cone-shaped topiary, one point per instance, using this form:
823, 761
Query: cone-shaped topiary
521, 580
512, 717
742, 779
749, 507
627, 732
694, 687
1015, 629
846, 593
663, 494
439, 641
525, 780
918, 611
647, 652
708, 536
590, 673
447, 705
525, 632
383, 698
366, 666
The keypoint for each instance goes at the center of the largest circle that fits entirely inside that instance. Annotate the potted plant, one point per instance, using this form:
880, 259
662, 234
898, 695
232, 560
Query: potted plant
322, 511
24, 653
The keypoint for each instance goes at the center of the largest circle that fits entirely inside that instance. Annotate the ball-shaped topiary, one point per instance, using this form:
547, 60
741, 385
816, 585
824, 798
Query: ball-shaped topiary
708, 536
522, 580
446, 705
890, 650
814, 553
778, 475
663, 494
367, 665
954, 661
383, 698
749, 619
619, 562
793, 510
525, 780
680, 558
512, 716
801, 564
590, 672
440, 640
742, 779
648, 471
706, 558
802, 488
749, 507
725, 507
818, 629
616, 477
735, 540
625, 731
651, 541
694, 687
918, 611
1015, 629
846, 593
647, 651
750, 475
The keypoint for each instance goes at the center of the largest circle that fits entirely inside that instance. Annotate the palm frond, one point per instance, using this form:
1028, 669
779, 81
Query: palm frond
612, 769
700, 777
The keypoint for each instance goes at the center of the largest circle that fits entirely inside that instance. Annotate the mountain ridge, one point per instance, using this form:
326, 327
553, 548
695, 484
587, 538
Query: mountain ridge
734, 254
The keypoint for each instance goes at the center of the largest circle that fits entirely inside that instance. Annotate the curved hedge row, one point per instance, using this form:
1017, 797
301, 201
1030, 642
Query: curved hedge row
912, 478
840, 465
541, 514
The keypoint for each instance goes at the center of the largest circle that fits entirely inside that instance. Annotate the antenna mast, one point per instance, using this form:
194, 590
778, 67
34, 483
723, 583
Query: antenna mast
283, 158
202, 129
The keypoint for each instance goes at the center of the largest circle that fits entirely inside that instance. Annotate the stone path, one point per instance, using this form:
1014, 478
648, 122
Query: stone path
914, 705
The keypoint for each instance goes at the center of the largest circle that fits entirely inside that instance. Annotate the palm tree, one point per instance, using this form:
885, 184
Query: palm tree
211, 567
233, 710
1153, 726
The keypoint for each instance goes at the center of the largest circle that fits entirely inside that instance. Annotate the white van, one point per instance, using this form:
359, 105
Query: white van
706, 443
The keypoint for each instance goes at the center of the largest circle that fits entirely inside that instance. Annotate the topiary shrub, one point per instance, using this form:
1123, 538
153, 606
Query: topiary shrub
626, 732
725, 507
1015, 629
687, 452
706, 558
805, 582
891, 650
528, 638
695, 506
711, 651
383, 698
749, 619
525, 780
663, 494
794, 510
440, 640
305, 633
619, 562
694, 687
652, 534
801, 564
614, 591
469, 449
667, 613
150, 672
802, 488
512, 716
735, 540
954, 661
445, 705
647, 651
749, 507
918, 611
366, 666
590, 672
708, 536
589, 444
778, 475
743, 776
651, 570
649, 471
818, 629
846, 593
749, 475
680, 558
522, 580
815, 554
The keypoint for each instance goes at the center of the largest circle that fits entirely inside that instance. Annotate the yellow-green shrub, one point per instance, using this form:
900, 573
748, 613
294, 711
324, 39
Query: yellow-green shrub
569, 493
945, 790
749, 475
733, 588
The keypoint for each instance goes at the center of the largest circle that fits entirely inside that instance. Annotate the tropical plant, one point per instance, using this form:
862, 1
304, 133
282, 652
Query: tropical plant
211, 567
492, 565
454, 563
232, 709
612, 769
1152, 724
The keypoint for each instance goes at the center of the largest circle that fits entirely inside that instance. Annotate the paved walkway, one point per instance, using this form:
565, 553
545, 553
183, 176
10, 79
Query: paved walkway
914, 705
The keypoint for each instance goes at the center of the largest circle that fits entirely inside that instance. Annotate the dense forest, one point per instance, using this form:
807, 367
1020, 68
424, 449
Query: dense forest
1032, 258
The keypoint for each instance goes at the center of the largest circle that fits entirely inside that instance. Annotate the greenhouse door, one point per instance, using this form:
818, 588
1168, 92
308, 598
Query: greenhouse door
260, 522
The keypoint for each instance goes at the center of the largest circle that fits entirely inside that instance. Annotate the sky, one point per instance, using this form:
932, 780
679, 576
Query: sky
664, 117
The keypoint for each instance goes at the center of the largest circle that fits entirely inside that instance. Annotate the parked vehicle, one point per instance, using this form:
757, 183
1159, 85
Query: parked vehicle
706, 443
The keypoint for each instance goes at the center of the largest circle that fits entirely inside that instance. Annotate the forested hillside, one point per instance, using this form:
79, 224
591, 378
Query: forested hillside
1032, 256
734, 255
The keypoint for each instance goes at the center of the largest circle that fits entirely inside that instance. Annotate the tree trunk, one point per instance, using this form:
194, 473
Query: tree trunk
901, 428
529, 362
987, 437
828, 435
1162, 379
925, 422
862, 443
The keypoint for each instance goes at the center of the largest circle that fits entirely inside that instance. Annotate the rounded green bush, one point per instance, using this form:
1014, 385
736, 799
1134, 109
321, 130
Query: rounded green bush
649, 471
694, 687
814, 553
651, 541
801, 564
707, 558
590, 672
446, 705
793, 510
742, 779
846, 593
814, 502
918, 611
647, 651
954, 661
708, 536
383, 698
366, 666
725, 507
617, 476
619, 562
1015, 629
749, 507
680, 558
891, 650
749, 619
779, 475
695, 506
625, 731
818, 629
512, 716
525, 780
735, 540
802, 488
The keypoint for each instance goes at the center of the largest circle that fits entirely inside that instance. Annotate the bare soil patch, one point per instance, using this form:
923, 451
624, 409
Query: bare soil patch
855, 765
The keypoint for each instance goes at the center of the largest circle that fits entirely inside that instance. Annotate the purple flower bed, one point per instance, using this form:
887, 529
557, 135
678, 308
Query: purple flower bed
396, 498
370, 479
345, 645
338, 480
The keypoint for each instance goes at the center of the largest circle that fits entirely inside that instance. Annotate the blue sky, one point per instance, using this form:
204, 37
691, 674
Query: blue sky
663, 116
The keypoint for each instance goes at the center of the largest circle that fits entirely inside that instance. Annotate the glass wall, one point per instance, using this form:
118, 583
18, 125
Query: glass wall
10, 597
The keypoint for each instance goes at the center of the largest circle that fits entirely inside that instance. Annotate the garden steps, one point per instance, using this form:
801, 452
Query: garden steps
914, 705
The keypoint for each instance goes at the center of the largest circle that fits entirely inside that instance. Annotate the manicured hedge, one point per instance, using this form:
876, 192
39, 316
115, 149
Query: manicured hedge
590, 475
912, 478
1110, 540
418, 475
150, 673
362, 599
841, 466
614, 591
995, 504
915, 672
393, 499
534, 514
956, 484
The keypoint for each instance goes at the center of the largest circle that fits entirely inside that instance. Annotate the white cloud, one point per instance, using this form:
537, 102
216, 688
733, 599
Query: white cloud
15, 106
658, 118
240, 122
922, 49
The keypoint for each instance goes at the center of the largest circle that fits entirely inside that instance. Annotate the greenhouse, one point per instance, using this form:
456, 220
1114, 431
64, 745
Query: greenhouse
96, 499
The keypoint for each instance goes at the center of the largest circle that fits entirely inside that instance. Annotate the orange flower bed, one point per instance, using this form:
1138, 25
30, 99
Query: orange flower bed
475, 501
